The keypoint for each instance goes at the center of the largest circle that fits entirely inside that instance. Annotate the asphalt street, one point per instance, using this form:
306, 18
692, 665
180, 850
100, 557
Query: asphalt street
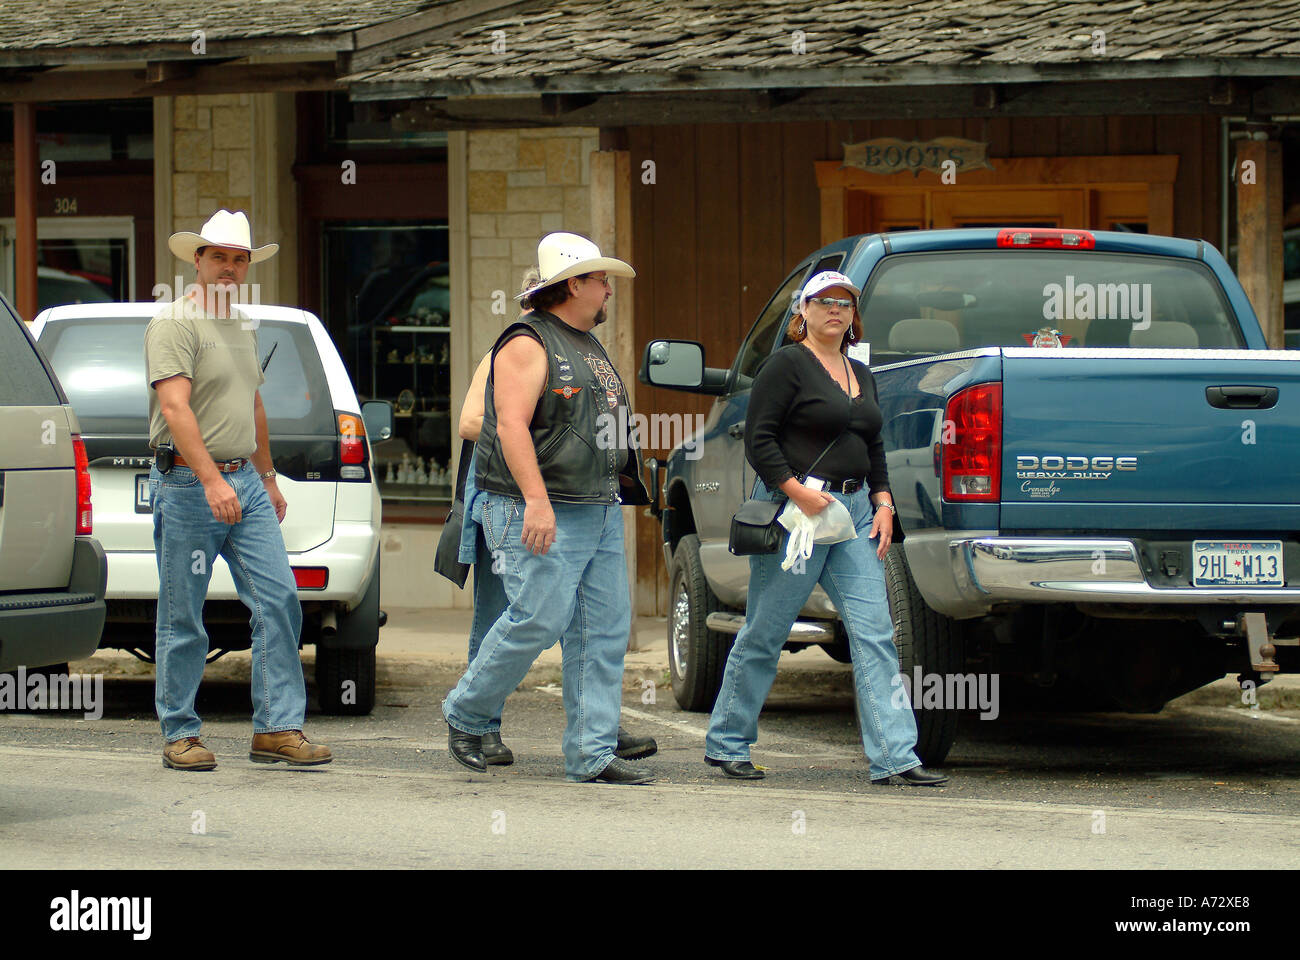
1204, 784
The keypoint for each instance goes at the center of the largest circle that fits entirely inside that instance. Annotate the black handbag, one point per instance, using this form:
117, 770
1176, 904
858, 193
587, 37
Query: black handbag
446, 559
754, 528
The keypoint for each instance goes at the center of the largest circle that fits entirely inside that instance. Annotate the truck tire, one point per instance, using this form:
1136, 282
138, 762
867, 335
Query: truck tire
336, 665
697, 655
927, 640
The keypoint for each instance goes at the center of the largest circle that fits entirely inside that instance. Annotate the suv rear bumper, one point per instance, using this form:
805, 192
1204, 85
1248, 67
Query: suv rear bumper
348, 555
38, 629
965, 576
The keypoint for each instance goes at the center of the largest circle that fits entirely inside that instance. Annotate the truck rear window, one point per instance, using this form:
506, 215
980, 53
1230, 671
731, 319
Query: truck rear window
923, 304
100, 363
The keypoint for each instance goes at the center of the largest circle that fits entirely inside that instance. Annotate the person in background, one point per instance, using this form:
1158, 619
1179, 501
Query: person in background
489, 592
808, 406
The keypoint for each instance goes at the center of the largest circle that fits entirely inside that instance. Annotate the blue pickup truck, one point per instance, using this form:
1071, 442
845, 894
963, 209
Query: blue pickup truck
1095, 459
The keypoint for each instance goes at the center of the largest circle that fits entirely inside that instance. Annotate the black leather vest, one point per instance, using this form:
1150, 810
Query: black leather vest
575, 425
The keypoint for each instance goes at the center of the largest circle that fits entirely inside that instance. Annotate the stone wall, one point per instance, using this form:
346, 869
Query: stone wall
212, 157
521, 185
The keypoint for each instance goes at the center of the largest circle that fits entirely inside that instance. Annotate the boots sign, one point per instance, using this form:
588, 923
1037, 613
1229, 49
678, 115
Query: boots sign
891, 155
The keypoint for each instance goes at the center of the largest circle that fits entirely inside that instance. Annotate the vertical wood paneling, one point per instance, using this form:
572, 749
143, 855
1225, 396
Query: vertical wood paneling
1182, 135
716, 306
761, 222
1081, 136
1130, 135
803, 145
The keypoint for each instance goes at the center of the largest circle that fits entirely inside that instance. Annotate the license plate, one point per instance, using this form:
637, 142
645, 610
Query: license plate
1237, 563
142, 504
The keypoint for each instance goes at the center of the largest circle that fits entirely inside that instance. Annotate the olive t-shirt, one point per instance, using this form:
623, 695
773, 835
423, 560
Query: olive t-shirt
220, 358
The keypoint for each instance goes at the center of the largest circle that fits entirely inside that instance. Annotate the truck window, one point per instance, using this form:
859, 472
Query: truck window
924, 304
762, 337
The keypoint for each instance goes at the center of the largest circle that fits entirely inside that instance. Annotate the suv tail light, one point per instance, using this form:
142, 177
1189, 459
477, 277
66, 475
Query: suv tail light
85, 518
311, 578
972, 462
354, 454
1040, 237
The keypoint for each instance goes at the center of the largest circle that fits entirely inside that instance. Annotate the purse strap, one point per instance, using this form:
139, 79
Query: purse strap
808, 472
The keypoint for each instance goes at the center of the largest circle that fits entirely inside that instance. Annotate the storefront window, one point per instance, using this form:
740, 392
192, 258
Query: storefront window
388, 304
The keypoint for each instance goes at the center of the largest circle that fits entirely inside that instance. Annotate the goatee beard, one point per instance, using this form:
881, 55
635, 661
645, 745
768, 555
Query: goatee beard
600, 317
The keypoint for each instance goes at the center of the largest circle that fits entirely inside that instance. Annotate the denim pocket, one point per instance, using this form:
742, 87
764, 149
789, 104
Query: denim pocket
498, 512
172, 479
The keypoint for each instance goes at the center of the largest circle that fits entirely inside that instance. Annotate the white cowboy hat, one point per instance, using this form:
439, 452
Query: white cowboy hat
564, 255
224, 229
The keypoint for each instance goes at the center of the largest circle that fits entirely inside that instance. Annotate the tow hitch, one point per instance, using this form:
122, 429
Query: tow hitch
1261, 647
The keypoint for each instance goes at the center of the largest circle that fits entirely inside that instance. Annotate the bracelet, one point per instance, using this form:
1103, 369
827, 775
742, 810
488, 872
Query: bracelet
885, 503
269, 475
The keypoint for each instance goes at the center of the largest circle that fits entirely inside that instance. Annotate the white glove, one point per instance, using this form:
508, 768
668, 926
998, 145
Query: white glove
799, 545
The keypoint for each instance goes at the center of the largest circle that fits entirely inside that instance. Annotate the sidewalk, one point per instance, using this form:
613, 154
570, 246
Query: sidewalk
443, 634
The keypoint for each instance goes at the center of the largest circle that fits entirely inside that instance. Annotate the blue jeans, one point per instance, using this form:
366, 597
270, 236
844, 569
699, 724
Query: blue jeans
578, 589
186, 540
490, 601
854, 579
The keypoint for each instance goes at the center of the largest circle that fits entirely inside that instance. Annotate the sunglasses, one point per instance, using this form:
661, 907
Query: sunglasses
831, 302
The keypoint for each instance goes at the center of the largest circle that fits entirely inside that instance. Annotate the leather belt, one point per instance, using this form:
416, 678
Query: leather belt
225, 466
838, 486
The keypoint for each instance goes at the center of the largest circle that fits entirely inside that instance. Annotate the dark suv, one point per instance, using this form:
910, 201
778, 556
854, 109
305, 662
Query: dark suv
52, 572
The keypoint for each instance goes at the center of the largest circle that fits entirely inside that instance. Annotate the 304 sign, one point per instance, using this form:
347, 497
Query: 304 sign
1229, 563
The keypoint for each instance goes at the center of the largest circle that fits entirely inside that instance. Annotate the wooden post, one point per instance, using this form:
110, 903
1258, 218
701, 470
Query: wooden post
1258, 175
611, 229
26, 160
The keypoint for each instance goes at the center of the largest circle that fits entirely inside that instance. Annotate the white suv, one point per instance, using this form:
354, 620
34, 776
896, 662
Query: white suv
321, 449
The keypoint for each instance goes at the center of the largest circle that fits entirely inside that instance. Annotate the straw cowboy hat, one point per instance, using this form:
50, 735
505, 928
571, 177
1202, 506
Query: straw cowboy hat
224, 229
564, 255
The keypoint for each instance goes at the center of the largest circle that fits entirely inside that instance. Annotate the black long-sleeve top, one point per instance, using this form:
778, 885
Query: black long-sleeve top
796, 408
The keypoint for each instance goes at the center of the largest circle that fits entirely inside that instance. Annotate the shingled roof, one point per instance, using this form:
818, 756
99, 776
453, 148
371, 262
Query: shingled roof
54, 23
603, 45
50, 25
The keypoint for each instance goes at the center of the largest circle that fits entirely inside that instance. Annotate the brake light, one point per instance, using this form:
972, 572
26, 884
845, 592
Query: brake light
972, 461
85, 518
1052, 239
311, 578
352, 447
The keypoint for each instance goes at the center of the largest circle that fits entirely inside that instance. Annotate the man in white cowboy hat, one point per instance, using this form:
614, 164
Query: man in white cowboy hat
551, 487
214, 492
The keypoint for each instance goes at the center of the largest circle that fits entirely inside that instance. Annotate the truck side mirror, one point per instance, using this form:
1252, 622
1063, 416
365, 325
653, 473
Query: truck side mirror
673, 363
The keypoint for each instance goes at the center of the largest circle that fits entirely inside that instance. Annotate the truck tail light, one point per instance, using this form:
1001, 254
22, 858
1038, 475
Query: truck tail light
353, 452
972, 462
1048, 238
85, 518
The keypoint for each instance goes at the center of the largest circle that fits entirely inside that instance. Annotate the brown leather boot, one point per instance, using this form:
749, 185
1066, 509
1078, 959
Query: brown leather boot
291, 747
188, 753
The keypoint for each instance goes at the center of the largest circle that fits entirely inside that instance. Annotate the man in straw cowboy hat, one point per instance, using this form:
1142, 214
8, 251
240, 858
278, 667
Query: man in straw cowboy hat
551, 487
214, 492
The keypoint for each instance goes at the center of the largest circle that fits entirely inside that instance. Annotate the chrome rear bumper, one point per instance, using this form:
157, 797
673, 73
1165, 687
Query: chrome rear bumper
965, 577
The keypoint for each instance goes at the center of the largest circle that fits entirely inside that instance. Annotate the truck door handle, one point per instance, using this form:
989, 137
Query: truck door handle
1241, 398
736, 429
